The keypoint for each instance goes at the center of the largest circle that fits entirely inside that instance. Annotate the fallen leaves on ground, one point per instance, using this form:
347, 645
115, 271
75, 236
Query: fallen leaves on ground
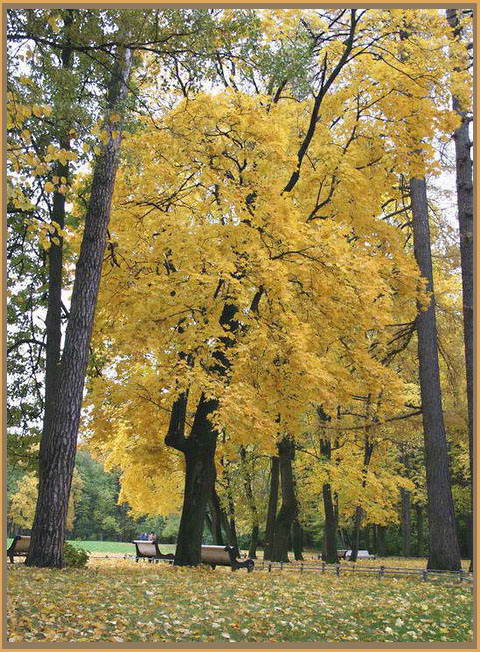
119, 600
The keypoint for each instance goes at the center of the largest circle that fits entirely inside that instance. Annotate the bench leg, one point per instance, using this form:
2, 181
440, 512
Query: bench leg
11, 559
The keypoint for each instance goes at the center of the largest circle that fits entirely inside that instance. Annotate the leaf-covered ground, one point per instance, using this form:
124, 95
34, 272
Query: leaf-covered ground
121, 601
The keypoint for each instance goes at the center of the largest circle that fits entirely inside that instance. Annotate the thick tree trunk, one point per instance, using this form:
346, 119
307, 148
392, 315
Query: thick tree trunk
420, 530
272, 508
406, 526
289, 509
330, 528
464, 181
444, 550
58, 445
199, 480
199, 452
297, 540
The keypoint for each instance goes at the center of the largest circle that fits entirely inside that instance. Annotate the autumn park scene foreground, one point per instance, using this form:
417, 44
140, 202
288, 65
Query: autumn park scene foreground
240, 325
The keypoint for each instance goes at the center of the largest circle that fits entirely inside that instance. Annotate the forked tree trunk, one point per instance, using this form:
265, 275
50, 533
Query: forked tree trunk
272, 508
289, 509
58, 445
444, 550
53, 319
406, 526
464, 182
199, 452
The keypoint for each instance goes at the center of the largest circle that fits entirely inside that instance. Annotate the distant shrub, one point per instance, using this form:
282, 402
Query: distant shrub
74, 557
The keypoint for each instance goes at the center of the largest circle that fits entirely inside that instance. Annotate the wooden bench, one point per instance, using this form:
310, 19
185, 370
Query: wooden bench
150, 550
225, 556
362, 554
19, 547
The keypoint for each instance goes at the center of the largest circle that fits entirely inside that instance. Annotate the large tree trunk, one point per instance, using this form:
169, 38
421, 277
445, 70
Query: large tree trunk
406, 527
289, 509
58, 445
444, 550
272, 508
464, 181
199, 452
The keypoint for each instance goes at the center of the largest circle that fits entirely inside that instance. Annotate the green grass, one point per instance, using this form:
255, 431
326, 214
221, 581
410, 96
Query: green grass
119, 600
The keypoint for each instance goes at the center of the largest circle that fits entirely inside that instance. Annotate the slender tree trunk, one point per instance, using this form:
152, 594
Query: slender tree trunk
58, 446
247, 479
374, 537
381, 540
464, 181
444, 550
272, 508
289, 509
330, 528
297, 540
357, 519
420, 530
216, 519
406, 527
53, 320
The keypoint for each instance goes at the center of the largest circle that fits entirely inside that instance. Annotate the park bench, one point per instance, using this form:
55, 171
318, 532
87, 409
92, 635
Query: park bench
19, 547
150, 550
362, 554
224, 556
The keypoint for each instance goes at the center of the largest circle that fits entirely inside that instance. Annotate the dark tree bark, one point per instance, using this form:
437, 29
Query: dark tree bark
252, 552
297, 540
464, 182
216, 519
272, 508
381, 540
53, 320
289, 509
406, 524
420, 530
58, 446
330, 528
232, 534
374, 540
444, 550
199, 452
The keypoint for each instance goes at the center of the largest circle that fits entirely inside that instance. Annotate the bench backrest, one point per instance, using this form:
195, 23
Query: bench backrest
215, 555
146, 548
22, 544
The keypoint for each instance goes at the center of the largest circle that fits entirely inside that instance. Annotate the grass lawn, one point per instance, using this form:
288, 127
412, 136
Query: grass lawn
119, 600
